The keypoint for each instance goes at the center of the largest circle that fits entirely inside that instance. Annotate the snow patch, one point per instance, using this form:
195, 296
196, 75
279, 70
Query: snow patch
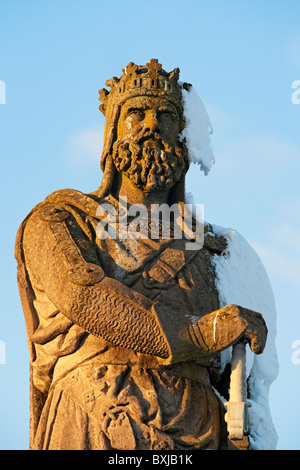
242, 280
197, 131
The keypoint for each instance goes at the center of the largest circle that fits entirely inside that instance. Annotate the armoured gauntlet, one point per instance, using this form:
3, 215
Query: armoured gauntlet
212, 333
222, 328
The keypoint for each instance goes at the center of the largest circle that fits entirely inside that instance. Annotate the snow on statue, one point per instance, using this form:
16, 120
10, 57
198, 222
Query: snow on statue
241, 279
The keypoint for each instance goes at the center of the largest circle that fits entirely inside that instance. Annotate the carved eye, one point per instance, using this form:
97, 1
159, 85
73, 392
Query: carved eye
137, 114
167, 116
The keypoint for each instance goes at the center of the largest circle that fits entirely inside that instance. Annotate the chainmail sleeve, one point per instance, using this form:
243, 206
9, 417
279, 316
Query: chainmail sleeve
76, 284
117, 320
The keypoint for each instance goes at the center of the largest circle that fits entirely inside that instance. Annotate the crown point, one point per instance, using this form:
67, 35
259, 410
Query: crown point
175, 73
112, 81
103, 93
130, 69
153, 65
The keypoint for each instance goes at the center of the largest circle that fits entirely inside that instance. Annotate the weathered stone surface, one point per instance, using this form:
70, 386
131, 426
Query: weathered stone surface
125, 333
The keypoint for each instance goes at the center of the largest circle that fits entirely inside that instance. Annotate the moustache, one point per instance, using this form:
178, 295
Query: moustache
145, 140
142, 137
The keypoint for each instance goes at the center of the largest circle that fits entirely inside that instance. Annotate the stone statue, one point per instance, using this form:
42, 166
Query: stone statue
125, 333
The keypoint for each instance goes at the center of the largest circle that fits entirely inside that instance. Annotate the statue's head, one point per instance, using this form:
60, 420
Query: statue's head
144, 121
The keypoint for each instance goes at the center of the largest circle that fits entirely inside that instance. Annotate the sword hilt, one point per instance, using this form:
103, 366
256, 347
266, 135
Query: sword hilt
236, 416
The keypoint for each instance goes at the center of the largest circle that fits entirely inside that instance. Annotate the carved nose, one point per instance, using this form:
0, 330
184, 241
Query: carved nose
151, 122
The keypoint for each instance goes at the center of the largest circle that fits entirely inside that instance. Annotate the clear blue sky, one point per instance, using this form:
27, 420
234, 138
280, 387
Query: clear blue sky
242, 57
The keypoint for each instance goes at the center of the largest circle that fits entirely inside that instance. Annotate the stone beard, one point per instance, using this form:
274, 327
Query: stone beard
149, 162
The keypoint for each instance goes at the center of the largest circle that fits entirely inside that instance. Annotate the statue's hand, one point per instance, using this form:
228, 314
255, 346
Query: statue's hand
228, 325
256, 330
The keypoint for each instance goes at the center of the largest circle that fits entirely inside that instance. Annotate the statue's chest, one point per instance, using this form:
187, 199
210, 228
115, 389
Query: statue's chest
165, 272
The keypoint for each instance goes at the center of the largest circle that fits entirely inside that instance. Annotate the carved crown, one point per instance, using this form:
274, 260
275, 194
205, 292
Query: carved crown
139, 80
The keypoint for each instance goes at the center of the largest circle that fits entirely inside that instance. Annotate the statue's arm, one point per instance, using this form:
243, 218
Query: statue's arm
71, 275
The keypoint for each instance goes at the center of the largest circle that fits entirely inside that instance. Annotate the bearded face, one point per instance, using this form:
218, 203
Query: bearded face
149, 162
148, 151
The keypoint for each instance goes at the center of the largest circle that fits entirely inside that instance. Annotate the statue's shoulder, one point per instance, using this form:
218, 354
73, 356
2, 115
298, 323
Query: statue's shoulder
74, 200
56, 205
213, 240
